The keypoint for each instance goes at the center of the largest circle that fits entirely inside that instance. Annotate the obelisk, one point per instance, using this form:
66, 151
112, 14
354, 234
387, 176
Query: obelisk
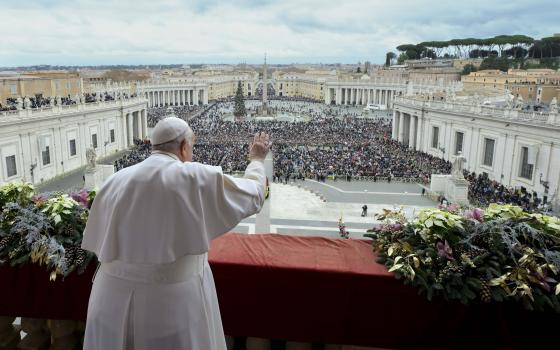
265, 89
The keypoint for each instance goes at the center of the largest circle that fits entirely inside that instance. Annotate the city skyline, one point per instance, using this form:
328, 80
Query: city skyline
81, 33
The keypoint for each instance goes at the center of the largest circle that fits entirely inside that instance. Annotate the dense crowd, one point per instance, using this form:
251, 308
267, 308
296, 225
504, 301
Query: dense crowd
483, 191
155, 114
335, 142
332, 143
38, 101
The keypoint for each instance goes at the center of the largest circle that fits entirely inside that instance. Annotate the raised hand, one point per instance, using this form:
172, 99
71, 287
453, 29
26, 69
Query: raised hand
260, 146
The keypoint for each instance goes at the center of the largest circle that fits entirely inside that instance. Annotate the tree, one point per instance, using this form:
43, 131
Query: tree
239, 102
468, 69
389, 57
402, 57
358, 70
500, 63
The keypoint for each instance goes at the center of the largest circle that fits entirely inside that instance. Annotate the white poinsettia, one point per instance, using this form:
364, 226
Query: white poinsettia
431, 224
59, 206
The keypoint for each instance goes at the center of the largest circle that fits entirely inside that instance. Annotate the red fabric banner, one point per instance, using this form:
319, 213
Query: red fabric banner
308, 289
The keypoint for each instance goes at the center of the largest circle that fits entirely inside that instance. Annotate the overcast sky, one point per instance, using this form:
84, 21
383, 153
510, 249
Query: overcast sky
83, 32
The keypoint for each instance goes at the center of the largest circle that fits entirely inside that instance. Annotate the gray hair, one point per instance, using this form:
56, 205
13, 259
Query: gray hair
174, 145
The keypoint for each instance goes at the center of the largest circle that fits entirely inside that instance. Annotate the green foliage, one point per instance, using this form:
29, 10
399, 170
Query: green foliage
499, 63
500, 254
43, 229
239, 102
18, 192
516, 46
468, 69
402, 57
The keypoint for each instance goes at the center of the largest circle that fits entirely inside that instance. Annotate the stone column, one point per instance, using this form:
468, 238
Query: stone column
412, 133
130, 129
37, 336
394, 126
139, 128
63, 334
205, 96
401, 127
144, 116
9, 335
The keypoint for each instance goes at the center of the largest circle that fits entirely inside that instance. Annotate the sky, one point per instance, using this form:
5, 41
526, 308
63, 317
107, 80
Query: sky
84, 32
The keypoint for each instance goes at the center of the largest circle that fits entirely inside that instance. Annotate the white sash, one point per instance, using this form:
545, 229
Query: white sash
175, 272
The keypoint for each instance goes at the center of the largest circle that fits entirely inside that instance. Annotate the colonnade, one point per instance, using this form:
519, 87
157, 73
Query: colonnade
177, 97
134, 126
360, 96
407, 129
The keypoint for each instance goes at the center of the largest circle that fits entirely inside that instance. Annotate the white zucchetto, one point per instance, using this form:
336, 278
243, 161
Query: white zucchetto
169, 129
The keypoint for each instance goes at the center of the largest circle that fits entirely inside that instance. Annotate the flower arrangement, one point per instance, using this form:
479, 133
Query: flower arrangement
500, 254
44, 229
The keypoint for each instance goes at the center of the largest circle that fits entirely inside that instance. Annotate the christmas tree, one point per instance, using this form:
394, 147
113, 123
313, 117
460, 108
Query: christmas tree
239, 107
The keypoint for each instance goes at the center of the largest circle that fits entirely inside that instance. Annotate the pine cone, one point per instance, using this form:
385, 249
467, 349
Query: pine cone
69, 230
81, 257
70, 254
4, 242
485, 293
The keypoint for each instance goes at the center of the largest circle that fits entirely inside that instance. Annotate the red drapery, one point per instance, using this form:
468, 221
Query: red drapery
309, 289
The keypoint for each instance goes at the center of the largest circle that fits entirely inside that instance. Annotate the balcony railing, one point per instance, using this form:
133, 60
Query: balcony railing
471, 110
44, 112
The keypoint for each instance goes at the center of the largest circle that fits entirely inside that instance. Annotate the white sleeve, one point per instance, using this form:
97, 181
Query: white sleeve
234, 199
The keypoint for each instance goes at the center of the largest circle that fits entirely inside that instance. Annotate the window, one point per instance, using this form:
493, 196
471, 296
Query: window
458, 142
13, 89
72, 147
525, 169
112, 135
435, 137
94, 140
488, 152
46, 155
11, 168
45, 147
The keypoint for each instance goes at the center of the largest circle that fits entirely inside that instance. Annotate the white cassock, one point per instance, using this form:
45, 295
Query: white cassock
150, 227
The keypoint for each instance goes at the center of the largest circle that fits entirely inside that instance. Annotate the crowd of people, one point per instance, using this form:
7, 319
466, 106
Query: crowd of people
334, 142
155, 114
483, 191
39, 101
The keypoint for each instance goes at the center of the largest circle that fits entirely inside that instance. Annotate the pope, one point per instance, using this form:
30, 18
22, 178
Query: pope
150, 226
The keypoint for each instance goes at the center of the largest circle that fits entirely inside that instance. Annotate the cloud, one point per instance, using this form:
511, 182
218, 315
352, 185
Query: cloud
82, 32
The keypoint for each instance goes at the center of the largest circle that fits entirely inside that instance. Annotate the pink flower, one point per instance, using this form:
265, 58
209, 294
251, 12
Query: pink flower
444, 250
475, 214
453, 208
39, 199
81, 197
